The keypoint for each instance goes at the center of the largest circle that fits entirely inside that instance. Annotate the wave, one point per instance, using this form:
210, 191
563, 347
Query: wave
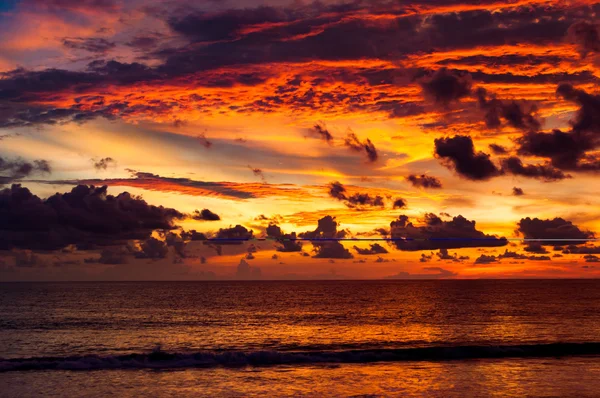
158, 359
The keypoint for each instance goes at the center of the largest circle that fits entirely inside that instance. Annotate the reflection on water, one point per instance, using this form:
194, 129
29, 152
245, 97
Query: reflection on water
570, 377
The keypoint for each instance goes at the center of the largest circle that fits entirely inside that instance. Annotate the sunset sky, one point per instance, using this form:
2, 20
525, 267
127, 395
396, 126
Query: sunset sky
477, 120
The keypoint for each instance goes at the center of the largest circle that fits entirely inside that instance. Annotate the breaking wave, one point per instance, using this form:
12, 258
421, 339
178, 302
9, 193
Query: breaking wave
159, 359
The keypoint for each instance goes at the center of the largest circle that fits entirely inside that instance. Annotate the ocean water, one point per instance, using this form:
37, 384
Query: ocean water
308, 338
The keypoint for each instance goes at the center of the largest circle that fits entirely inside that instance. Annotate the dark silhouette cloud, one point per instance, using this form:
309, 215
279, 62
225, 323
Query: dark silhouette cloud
486, 259
438, 234
514, 113
357, 200
96, 45
327, 229
424, 181
204, 141
399, 203
535, 247
246, 271
112, 256
375, 248
87, 215
517, 256
459, 154
152, 248
573, 249
445, 86
352, 142
237, 235
586, 35
437, 273
258, 173
104, 163
11, 170
320, 130
516, 191
498, 149
287, 241
545, 172
556, 229
205, 215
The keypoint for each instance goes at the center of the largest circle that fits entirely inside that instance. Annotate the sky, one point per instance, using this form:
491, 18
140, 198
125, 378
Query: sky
133, 132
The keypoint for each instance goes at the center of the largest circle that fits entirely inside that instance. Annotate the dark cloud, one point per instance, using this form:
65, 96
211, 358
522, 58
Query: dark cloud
87, 215
193, 235
233, 235
16, 169
399, 203
352, 142
320, 130
112, 256
498, 149
444, 255
104, 163
437, 273
152, 248
357, 200
96, 45
204, 141
555, 229
445, 86
590, 258
438, 234
517, 115
246, 271
535, 247
424, 181
287, 242
486, 259
573, 249
258, 173
459, 154
205, 215
517, 256
516, 191
375, 248
545, 172
586, 36
327, 229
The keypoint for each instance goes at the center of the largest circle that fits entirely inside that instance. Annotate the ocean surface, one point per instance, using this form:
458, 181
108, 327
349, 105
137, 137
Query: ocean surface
309, 338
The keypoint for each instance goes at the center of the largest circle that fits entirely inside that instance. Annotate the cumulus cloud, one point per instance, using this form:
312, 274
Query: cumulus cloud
445, 86
327, 229
424, 181
516, 191
205, 215
104, 163
516, 114
438, 234
459, 154
375, 248
555, 229
87, 215
433, 273
11, 170
352, 142
246, 271
544, 172
357, 200
287, 242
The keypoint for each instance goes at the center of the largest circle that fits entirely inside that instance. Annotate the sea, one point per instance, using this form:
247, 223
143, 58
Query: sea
425, 338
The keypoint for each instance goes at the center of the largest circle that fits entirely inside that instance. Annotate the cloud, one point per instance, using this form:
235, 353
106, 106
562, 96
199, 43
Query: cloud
544, 172
459, 152
424, 181
555, 229
205, 215
19, 168
514, 113
517, 256
498, 149
357, 200
517, 191
204, 141
287, 242
246, 271
352, 142
327, 229
445, 86
152, 248
96, 45
586, 36
103, 163
438, 234
399, 203
112, 256
320, 130
375, 248
485, 259
436, 273
258, 173
87, 215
